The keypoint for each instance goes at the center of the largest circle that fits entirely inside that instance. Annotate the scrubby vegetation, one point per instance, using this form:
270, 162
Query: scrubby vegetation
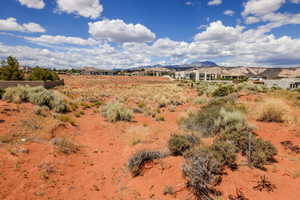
223, 90
178, 144
272, 112
203, 172
41, 74
36, 95
65, 145
115, 111
137, 161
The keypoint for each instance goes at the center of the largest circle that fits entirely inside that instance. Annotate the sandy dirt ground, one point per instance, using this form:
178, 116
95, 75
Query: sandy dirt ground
32, 169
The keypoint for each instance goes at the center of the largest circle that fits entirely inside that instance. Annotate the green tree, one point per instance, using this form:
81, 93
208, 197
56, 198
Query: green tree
10, 70
41, 74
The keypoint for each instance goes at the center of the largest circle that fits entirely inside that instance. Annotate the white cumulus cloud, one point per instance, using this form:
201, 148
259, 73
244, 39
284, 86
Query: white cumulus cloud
37, 4
11, 24
59, 39
86, 8
118, 31
229, 12
215, 2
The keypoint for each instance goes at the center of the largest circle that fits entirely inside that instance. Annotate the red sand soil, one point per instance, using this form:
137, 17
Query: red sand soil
99, 170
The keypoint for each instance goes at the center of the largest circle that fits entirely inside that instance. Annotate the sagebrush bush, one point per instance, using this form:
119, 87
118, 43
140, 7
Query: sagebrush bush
137, 161
202, 171
36, 95
225, 152
214, 118
223, 90
262, 153
16, 94
178, 144
115, 111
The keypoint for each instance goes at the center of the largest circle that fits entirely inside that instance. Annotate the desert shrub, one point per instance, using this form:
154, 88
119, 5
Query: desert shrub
202, 121
258, 151
225, 152
16, 94
137, 161
202, 171
10, 70
213, 118
40, 74
178, 144
262, 153
251, 87
66, 118
66, 146
271, 113
36, 95
223, 90
115, 111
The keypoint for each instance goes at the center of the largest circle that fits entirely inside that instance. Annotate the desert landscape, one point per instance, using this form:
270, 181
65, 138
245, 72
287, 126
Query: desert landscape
121, 137
149, 100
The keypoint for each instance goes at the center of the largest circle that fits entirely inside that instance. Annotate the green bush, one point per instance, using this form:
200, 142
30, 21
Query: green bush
40, 74
214, 118
115, 111
10, 70
178, 144
262, 153
225, 152
36, 95
137, 161
223, 90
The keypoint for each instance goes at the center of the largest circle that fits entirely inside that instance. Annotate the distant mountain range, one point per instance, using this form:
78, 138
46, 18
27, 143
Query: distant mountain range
174, 67
211, 67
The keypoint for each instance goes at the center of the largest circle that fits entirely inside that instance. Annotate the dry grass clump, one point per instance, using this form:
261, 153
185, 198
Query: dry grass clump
273, 110
66, 118
65, 145
36, 95
137, 161
115, 111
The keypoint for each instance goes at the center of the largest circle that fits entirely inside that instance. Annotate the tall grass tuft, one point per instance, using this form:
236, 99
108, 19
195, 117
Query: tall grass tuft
115, 111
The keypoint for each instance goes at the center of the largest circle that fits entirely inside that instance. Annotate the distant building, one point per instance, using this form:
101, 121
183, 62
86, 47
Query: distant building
286, 83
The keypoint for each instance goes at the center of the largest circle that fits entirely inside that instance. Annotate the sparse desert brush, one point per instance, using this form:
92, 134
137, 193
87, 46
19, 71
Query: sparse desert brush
201, 100
65, 118
178, 144
223, 90
251, 87
16, 94
65, 145
214, 118
36, 95
272, 110
262, 153
202, 171
41, 110
137, 161
114, 111
225, 152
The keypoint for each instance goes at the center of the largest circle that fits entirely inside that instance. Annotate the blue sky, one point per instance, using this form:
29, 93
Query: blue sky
126, 33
